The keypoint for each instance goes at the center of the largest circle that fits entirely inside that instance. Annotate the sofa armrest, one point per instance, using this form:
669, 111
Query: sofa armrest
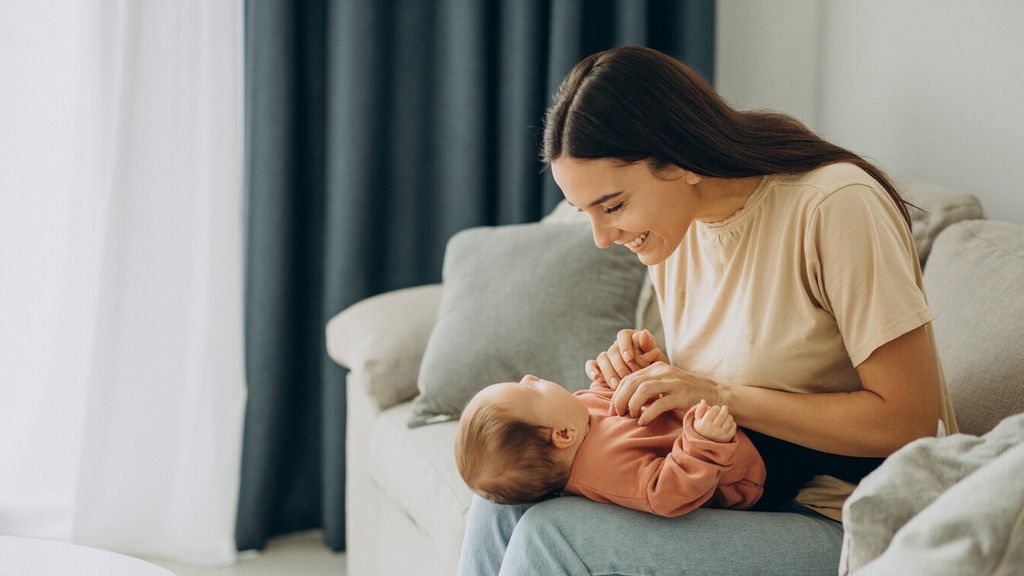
384, 338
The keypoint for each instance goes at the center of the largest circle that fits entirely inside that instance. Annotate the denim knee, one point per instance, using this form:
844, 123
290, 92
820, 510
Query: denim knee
539, 546
488, 530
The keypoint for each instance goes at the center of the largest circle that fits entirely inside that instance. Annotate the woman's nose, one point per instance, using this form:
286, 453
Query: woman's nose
603, 235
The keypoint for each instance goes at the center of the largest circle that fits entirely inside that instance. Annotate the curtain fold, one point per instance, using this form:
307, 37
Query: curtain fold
375, 130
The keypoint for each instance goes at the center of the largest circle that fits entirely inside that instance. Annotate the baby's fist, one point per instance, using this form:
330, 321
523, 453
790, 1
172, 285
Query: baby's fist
714, 422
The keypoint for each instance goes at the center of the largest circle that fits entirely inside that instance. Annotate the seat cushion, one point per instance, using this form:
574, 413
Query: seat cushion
975, 286
415, 468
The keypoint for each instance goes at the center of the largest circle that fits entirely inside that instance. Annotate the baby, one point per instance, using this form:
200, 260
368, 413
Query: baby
528, 440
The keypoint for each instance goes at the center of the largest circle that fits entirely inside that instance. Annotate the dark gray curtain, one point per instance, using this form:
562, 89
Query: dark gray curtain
375, 129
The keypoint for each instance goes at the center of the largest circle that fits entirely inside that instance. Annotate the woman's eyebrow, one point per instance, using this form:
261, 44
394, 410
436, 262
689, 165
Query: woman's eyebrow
600, 200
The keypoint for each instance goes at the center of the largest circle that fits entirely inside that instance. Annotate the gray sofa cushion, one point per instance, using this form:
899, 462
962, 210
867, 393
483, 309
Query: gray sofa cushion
532, 298
975, 286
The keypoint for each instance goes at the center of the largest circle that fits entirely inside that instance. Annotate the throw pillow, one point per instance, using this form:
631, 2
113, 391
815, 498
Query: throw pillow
526, 299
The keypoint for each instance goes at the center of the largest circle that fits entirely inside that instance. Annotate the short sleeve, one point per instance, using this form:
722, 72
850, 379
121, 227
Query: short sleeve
862, 268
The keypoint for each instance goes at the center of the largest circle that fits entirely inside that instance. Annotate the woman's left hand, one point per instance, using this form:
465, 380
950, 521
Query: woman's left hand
658, 388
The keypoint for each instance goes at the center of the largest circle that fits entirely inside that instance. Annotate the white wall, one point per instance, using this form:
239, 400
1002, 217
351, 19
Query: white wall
931, 90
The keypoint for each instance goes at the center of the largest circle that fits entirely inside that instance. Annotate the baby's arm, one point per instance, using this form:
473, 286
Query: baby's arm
714, 422
690, 474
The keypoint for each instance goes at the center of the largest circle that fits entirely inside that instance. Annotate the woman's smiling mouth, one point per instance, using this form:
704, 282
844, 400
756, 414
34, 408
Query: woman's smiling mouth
637, 243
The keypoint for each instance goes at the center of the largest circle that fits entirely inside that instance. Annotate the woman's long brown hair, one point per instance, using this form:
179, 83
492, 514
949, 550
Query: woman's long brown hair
634, 103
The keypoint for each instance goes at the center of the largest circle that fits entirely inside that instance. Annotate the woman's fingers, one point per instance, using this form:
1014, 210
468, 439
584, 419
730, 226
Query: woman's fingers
622, 395
647, 392
639, 360
593, 372
657, 408
660, 387
607, 370
625, 341
647, 351
645, 340
622, 401
647, 348
622, 358
618, 364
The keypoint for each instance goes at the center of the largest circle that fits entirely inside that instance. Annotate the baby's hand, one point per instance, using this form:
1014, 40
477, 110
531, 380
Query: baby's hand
714, 422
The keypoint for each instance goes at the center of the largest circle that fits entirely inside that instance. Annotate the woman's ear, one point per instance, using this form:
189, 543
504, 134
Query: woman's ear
563, 437
692, 178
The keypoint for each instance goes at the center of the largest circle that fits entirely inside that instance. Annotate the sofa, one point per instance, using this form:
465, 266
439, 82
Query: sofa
406, 503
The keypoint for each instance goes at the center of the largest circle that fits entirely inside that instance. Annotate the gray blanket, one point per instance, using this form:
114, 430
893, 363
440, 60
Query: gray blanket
952, 505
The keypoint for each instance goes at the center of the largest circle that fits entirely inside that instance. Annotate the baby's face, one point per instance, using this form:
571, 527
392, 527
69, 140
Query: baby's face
537, 401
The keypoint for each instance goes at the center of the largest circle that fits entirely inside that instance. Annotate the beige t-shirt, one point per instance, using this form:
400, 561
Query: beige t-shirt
794, 290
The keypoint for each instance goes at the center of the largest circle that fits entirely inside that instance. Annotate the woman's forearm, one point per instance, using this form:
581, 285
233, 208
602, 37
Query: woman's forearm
900, 402
847, 423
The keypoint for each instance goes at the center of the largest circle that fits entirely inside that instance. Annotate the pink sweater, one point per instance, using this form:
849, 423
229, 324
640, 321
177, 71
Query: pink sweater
666, 467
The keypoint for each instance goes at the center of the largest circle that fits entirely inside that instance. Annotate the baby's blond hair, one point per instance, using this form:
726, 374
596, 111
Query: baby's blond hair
493, 439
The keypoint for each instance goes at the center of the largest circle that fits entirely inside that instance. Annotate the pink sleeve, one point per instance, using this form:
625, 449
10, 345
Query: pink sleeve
698, 470
742, 485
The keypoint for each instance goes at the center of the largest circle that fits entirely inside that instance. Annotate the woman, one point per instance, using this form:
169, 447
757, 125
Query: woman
790, 291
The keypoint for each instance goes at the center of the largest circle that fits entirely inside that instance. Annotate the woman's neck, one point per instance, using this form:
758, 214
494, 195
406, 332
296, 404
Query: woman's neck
723, 197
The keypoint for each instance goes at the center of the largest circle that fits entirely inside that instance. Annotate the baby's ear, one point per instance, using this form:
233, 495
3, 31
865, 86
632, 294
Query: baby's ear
563, 437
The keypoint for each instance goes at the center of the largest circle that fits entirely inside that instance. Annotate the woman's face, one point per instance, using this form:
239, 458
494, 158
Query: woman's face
628, 204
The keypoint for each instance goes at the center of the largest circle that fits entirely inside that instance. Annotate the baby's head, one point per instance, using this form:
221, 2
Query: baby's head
517, 440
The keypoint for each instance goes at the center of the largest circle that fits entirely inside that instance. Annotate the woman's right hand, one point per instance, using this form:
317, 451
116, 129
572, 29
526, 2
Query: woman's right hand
631, 351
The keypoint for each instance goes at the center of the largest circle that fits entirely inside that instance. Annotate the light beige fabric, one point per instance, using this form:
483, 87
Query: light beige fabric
383, 534
974, 280
386, 336
793, 291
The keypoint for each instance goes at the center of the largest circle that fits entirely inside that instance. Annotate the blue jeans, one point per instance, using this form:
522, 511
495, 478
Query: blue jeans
571, 535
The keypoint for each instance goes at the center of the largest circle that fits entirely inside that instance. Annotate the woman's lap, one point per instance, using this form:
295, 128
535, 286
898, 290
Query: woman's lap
576, 536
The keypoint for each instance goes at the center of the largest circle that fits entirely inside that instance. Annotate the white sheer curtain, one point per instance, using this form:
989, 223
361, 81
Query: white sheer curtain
121, 330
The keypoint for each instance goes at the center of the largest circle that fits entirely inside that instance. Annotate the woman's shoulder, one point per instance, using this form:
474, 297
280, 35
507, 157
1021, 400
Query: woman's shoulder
823, 182
840, 187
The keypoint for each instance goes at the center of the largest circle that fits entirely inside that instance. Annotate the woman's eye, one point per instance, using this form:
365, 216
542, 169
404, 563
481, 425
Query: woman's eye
615, 208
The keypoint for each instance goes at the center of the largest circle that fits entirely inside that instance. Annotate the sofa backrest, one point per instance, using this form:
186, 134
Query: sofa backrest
936, 209
974, 280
